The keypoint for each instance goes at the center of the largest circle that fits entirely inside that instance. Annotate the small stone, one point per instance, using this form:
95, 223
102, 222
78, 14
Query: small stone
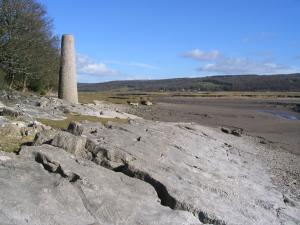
10, 112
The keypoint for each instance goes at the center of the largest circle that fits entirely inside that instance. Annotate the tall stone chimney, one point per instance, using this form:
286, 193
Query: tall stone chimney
67, 73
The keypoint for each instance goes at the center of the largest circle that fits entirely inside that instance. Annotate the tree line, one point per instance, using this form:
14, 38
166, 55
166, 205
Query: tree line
29, 51
280, 82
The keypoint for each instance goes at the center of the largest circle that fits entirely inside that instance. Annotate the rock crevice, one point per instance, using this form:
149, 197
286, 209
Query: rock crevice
73, 178
164, 196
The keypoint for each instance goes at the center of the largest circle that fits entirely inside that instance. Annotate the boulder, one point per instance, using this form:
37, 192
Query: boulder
44, 102
135, 104
146, 102
71, 143
232, 130
75, 128
7, 111
44, 137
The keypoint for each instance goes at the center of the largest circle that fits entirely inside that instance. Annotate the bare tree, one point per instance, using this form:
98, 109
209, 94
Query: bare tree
28, 49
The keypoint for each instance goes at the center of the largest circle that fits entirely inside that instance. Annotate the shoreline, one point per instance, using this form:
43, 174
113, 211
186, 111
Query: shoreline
254, 116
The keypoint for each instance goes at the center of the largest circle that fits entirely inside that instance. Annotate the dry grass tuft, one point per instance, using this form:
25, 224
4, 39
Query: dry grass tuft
63, 124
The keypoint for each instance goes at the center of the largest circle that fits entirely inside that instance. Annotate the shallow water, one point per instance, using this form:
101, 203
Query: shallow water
281, 114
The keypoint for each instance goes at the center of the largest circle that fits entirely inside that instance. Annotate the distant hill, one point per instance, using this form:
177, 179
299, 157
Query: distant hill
287, 82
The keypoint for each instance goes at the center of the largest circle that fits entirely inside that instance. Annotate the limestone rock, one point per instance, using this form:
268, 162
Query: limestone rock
49, 186
44, 137
135, 104
149, 103
143, 172
6, 111
71, 143
195, 169
43, 103
232, 130
10, 129
146, 102
75, 128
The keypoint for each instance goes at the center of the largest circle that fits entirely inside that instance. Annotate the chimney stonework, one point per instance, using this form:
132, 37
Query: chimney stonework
67, 74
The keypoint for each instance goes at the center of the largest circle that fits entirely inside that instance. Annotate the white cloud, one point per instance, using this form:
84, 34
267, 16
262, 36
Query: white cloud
142, 65
245, 66
87, 66
222, 64
134, 64
138, 77
200, 55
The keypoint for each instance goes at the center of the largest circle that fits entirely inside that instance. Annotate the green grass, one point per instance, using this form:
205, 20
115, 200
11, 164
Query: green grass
63, 124
13, 143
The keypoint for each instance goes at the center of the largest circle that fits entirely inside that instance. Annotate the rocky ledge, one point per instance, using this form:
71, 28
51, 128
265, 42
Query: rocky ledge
143, 172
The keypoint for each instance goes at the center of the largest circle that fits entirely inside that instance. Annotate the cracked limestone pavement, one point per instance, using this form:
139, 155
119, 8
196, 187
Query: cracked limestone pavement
218, 177
47, 185
144, 173
140, 173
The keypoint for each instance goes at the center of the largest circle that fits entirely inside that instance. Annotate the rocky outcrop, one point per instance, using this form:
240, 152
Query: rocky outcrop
143, 172
50, 186
15, 133
33, 107
192, 169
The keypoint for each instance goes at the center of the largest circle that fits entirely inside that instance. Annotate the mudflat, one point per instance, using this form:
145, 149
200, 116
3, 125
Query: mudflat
274, 120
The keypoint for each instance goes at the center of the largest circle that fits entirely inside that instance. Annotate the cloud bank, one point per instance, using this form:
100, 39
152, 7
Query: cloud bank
198, 54
222, 64
132, 64
87, 66
243, 66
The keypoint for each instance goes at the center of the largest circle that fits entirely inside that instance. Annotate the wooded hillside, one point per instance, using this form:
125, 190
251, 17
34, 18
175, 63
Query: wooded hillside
289, 82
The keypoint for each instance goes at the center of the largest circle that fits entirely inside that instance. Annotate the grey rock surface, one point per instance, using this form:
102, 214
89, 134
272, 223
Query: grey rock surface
140, 173
18, 128
33, 107
70, 143
47, 185
7, 111
216, 176
44, 137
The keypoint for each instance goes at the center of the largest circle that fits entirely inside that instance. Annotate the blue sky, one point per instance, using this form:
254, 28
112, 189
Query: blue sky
154, 39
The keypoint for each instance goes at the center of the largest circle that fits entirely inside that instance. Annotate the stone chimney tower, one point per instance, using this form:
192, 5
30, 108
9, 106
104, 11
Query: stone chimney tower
67, 74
